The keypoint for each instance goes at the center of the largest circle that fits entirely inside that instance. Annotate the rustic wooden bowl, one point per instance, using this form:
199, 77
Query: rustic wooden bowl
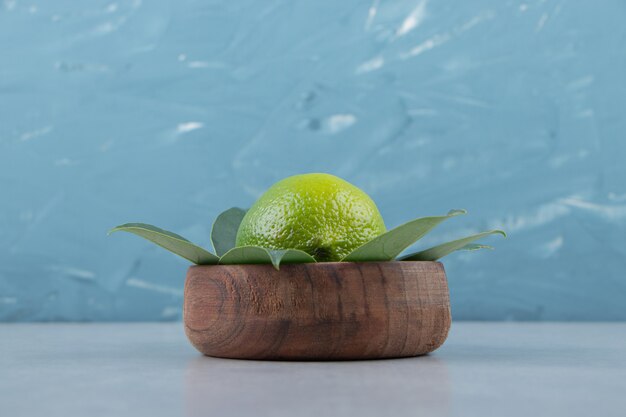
321, 311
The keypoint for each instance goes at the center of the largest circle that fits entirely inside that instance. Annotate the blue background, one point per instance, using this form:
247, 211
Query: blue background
170, 112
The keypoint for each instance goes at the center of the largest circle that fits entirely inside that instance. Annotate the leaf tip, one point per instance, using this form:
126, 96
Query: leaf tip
456, 212
115, 229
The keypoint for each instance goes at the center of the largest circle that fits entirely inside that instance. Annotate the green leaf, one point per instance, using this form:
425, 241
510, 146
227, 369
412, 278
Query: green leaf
439, 251
475, 246
170, 241
257, 255
388, 246
224, 231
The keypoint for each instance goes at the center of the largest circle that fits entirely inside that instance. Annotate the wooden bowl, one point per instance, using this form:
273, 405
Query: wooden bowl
318, 311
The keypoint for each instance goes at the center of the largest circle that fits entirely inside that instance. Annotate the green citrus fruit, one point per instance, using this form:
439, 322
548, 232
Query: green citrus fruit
320, 214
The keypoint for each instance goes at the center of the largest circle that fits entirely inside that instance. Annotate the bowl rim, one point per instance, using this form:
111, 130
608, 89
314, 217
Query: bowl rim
318, 264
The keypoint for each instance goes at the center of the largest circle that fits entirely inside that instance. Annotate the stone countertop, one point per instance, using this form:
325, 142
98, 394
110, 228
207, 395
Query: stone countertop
499, 369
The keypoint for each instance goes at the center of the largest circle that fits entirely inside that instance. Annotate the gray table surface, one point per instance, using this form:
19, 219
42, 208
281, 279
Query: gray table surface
484, 369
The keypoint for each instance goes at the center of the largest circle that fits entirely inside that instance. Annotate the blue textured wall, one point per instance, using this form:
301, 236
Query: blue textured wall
169, 112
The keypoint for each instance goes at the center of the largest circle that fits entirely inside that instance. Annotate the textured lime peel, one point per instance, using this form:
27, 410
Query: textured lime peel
320, 214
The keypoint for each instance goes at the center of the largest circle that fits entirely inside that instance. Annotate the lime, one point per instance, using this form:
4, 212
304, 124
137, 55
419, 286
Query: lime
320, 214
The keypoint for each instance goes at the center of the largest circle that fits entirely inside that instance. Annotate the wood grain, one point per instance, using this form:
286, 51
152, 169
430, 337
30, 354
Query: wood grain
317, 311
